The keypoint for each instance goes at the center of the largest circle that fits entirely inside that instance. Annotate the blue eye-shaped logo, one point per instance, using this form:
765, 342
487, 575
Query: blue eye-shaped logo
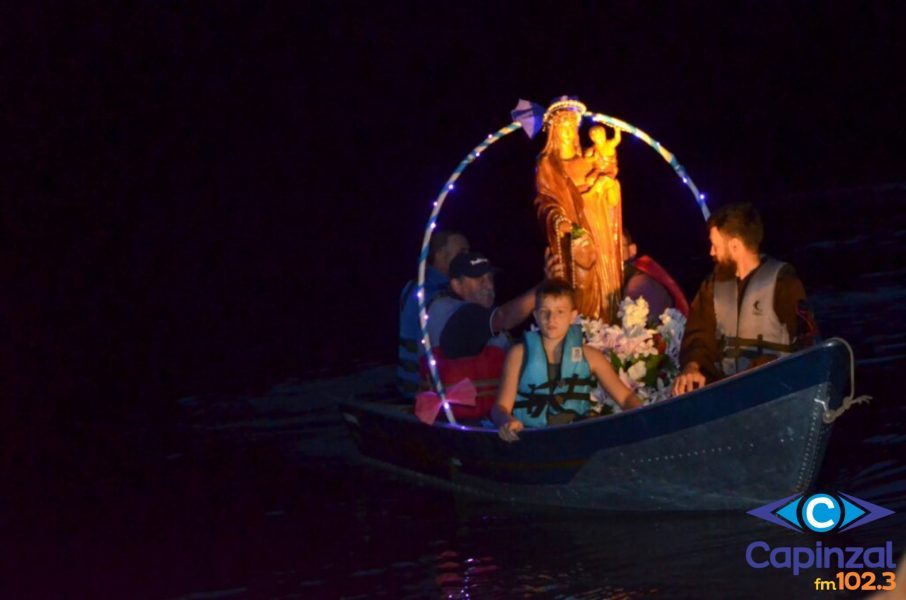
821, 512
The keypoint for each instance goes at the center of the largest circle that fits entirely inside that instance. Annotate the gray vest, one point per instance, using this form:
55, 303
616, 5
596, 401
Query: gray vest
749, 329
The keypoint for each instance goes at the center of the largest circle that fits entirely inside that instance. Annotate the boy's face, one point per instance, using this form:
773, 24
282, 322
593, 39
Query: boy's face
597, 135
554, 316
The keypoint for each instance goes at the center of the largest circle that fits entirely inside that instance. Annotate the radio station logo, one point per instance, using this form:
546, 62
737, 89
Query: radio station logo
825, 513
821, 513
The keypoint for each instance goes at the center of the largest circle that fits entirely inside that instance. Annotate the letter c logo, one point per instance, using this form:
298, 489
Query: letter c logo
750, 558
821, 512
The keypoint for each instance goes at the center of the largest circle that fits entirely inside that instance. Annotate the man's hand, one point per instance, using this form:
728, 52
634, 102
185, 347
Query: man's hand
690, 379
508, 430
553, 267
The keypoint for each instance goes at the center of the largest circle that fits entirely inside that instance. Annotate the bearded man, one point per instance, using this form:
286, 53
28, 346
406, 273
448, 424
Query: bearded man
749, 311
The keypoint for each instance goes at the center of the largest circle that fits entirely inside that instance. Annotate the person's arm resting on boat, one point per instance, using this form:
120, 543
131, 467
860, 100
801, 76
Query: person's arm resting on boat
502, 412
699, 348
690, 379
603, 371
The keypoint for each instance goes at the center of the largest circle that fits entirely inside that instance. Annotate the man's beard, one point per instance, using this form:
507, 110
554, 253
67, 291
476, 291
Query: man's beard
725, 269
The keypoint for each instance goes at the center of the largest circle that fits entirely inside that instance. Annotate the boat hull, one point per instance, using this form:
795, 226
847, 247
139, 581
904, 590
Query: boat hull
738, 443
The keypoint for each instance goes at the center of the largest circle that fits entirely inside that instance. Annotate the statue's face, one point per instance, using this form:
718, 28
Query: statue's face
566, 127
566, 132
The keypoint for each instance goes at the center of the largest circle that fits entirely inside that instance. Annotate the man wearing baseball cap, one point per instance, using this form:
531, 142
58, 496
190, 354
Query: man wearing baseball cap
469, 335
462, 322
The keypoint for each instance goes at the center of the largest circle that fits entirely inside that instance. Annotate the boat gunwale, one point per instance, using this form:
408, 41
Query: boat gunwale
393, 410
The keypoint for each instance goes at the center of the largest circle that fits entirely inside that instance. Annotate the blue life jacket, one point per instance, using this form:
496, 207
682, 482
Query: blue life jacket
538, 397
408, 380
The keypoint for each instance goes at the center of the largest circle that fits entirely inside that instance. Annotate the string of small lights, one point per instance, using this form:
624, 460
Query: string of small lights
423, 256
449, 186
660, 149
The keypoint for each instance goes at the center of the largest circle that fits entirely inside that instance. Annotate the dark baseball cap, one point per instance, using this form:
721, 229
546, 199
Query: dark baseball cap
470, 264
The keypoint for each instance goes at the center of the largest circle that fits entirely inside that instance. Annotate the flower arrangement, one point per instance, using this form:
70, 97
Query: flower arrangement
646, 359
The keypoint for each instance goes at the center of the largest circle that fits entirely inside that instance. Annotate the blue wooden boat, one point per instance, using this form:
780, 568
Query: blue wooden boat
738, 443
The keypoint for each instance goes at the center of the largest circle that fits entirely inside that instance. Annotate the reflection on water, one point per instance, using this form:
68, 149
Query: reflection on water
285, 508
267, 497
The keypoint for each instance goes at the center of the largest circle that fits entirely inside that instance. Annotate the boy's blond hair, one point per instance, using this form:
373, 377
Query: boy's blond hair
556, 288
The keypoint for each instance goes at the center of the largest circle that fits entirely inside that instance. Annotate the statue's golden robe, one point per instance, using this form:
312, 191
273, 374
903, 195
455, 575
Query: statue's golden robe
579, 191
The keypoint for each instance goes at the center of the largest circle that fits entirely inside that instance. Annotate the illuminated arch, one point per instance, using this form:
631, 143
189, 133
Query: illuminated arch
449, 186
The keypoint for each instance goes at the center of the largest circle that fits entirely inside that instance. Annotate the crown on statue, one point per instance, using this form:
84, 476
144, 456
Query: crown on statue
564, 103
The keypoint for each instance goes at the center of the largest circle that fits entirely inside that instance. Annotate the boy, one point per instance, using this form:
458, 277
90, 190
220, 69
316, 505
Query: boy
548, 378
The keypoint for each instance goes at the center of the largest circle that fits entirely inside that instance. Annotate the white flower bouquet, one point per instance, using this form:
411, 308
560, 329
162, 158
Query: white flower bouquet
647, 360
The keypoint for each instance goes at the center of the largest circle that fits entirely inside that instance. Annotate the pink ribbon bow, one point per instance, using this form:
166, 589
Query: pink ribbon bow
428, 404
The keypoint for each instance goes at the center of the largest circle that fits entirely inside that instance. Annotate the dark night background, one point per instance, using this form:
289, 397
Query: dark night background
205, 199
214, 197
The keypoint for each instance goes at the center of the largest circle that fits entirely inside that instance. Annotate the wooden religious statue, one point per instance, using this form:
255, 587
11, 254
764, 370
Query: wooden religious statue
579, 206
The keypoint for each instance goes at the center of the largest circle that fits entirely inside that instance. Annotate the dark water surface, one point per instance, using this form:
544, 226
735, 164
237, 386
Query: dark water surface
267, 497
284, 507
199, 197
